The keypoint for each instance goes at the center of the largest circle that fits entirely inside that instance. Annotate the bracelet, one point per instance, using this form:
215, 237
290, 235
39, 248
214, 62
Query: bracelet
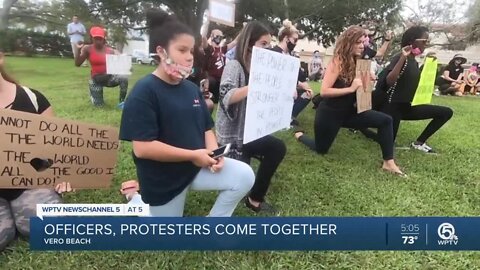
387, 40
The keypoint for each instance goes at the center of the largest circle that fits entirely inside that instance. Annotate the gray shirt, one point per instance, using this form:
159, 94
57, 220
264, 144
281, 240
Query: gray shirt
230, 121
74, 27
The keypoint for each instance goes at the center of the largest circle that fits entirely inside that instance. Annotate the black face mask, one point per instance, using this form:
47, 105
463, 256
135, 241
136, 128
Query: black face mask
217, 39
290, 46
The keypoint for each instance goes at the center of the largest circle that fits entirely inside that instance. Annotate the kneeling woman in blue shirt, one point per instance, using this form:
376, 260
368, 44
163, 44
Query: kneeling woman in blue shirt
170, 127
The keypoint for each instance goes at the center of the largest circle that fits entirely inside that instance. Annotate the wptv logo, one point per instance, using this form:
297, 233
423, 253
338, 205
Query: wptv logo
446, 232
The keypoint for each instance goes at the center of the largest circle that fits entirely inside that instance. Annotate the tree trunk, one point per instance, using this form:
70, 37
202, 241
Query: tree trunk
4, 13
287, 13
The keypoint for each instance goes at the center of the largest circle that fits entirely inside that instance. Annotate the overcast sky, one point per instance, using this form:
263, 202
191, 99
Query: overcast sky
462, 7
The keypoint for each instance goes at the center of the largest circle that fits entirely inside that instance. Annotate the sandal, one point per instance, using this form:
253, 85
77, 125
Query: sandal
298, 130
129, 188
400, 173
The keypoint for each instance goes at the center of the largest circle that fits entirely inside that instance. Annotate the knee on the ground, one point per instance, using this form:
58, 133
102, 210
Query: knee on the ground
7, 235
322, 150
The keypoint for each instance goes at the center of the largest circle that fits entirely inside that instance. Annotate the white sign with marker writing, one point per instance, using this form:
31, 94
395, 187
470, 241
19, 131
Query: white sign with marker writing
119, 64
222, 12
271, 87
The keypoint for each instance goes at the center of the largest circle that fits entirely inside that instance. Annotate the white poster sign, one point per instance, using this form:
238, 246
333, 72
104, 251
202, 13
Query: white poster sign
119, 64
271, 87
222, 12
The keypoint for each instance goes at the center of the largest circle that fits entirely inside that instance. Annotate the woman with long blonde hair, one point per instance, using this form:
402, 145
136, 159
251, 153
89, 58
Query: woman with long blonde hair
337, 109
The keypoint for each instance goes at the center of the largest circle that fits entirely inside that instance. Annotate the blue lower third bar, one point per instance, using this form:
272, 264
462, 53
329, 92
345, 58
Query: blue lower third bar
279, 233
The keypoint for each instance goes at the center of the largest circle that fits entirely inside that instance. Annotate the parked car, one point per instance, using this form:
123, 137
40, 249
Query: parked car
143, 58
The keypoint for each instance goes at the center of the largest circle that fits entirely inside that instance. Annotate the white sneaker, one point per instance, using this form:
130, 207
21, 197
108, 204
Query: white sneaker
422, 147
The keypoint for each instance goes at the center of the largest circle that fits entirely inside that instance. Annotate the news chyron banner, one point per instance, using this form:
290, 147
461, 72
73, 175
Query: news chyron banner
128, 227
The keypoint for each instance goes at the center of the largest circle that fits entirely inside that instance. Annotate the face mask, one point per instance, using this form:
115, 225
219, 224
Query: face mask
416, 51
217, 39
290, 46
366, 42
176, 70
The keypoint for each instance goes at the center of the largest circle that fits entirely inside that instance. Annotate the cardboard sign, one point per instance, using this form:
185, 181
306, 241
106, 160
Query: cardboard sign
271, 87
222, 12
364, 93
426, 85
119, 64
40, 152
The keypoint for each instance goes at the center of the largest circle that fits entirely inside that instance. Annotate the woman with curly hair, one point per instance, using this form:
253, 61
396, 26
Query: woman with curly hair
337, 109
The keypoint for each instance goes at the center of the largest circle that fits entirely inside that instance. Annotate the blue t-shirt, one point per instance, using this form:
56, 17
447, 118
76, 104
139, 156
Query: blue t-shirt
173, 114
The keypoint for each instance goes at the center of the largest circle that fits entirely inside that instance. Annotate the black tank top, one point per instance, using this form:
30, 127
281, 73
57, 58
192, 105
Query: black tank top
345, 102
23, 103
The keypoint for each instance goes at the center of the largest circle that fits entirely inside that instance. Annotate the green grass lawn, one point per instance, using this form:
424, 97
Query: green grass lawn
346, 182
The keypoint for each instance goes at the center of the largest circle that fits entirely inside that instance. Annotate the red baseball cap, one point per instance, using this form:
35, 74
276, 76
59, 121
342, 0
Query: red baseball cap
97, 31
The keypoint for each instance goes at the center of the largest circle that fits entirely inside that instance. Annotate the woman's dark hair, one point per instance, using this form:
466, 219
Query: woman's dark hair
451, 63
413, 33
199, 72
163, 28
250, 34
4, 74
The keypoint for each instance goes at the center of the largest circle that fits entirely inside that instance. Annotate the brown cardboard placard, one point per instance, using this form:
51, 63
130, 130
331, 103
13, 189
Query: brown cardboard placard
222, 12
38, 151
364, 93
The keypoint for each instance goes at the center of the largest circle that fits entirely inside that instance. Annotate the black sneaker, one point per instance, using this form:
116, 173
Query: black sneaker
294, 123
263, 208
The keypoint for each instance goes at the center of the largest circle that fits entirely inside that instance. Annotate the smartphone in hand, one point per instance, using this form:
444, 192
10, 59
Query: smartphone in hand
204, 85
221, 151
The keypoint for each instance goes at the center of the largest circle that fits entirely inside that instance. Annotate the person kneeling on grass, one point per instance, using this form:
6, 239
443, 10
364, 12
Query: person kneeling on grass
337, 109
397, 87
96, 54
170, 127
231, 117
18, 205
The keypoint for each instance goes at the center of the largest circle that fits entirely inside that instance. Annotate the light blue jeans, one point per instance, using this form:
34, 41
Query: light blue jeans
234, 181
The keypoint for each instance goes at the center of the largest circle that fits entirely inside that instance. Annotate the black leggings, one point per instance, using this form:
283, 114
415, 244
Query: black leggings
214, 88
404, 111
329, 121
271, 152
